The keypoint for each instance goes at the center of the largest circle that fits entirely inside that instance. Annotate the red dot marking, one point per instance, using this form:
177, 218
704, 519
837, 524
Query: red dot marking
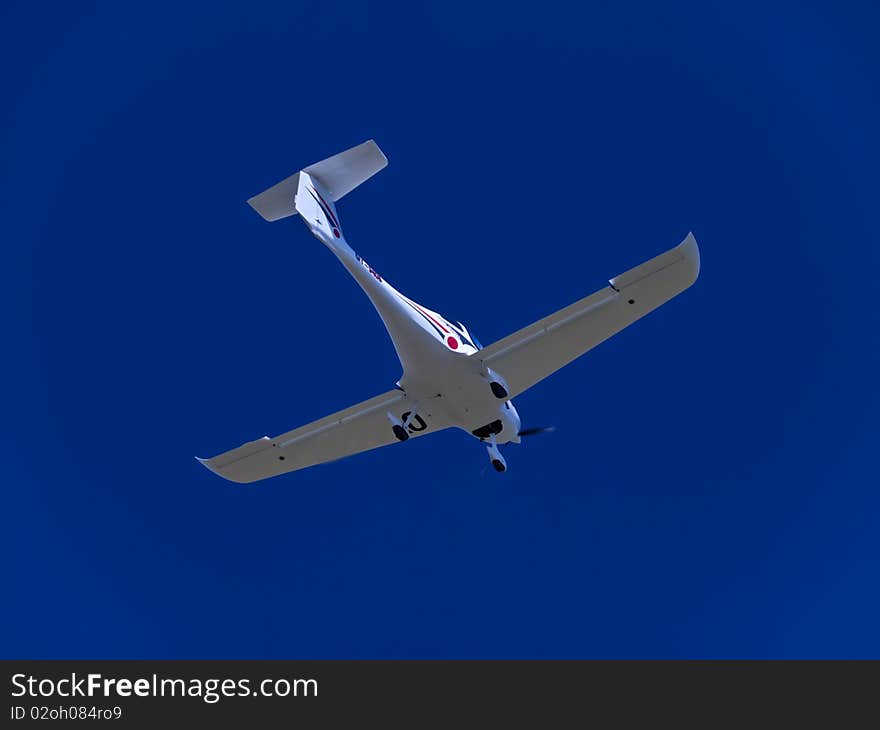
452, 342
336, 233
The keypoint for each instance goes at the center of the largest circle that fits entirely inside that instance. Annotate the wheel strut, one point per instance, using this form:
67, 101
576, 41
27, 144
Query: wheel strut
397, 428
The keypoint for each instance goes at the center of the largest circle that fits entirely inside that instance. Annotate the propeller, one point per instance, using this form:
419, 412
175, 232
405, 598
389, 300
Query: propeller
536, 429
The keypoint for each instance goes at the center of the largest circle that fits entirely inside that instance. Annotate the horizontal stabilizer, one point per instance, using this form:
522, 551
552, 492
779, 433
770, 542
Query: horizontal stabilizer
338, 175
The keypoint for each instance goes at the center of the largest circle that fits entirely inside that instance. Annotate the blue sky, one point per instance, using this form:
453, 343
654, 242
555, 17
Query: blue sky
711, 488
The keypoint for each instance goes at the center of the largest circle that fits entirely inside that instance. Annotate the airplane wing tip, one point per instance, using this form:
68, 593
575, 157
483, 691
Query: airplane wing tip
208, 464
691, 254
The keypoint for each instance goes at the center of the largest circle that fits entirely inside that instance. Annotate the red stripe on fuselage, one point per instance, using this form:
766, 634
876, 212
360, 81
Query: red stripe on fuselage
446, 331
328, 210
420, 311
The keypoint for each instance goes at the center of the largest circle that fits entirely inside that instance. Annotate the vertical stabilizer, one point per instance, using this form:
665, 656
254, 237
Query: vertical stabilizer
318, 212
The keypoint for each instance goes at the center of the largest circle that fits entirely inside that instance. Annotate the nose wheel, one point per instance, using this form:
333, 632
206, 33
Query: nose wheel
495, 458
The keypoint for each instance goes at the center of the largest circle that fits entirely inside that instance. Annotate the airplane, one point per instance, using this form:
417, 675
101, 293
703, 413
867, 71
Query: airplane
449, 379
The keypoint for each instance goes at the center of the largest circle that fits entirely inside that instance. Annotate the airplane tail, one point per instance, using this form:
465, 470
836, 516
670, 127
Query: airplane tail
313, 190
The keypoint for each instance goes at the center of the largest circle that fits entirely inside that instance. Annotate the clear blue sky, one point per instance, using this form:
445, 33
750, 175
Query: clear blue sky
711, 489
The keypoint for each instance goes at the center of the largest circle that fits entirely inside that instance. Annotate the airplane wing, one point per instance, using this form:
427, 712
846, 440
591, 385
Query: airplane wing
350, 431
534, 352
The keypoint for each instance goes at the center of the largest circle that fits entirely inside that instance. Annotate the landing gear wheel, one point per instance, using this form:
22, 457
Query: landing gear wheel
400, 432
498, 465
498, 390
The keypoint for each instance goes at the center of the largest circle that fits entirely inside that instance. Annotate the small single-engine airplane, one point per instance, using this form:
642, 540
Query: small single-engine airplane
449, 378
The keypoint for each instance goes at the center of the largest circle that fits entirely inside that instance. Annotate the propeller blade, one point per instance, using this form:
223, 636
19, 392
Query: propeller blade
536, 430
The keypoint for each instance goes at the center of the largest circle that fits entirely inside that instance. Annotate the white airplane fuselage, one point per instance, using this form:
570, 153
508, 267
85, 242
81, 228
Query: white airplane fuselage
440, 373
